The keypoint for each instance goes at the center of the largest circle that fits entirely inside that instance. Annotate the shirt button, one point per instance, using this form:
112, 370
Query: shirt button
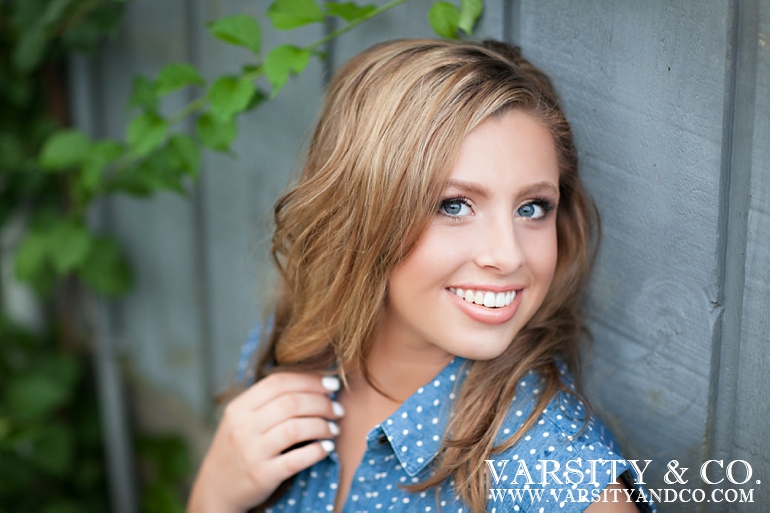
382, 439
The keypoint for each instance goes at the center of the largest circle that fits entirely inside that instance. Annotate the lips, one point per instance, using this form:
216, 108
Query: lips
487, 314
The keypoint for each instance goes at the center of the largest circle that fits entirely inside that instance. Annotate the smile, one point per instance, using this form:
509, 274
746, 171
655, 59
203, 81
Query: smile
485, 298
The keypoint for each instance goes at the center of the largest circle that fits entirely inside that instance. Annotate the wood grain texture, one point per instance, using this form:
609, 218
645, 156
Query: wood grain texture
238, 193
752, 428
645, 98
650, 89
159, 322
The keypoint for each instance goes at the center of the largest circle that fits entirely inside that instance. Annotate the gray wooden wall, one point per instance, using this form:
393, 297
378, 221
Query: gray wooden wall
670, 102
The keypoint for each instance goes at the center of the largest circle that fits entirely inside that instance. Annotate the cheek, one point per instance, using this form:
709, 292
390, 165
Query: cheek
541, 253
433, 258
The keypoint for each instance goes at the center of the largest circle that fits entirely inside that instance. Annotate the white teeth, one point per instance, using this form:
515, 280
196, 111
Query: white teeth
486, 298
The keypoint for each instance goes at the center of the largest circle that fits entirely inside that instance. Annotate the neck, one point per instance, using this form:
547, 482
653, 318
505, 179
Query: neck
398, 366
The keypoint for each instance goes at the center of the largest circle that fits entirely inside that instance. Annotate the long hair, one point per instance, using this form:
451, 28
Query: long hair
387, 138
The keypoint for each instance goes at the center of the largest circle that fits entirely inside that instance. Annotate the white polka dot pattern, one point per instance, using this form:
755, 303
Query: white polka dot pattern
401, 449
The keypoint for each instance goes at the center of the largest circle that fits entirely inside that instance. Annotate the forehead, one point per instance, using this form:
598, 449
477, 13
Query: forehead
513, 149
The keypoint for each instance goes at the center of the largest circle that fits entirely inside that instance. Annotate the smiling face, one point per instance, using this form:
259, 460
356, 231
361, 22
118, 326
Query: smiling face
484, 265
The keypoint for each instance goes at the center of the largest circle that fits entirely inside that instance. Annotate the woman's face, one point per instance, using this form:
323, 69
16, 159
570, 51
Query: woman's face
484, 265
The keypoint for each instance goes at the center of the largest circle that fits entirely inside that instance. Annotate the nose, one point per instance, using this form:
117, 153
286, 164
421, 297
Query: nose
499, 247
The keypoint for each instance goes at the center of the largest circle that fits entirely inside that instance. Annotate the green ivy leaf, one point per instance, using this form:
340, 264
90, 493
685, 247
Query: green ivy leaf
161, 171
251, 68
90, 30
65, 149
289, 14
283, 60
146, 132
176, 76
54, 10
105, 269
216, 133
69, 243
35, 394
348, 11
31, 256
29, 49
240, 30
63, 368
11, 150
63, 505
444, 19
185, 153
470, 10
167, 454
158, 497
143, 94
229, 96
55, 448
102, 153
258, 98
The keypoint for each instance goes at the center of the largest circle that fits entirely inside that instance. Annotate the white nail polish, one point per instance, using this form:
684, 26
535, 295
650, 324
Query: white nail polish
331, 383
327, 445
334, 429
338, 409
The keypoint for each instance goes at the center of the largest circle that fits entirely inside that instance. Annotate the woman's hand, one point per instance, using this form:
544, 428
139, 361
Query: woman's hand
246, 463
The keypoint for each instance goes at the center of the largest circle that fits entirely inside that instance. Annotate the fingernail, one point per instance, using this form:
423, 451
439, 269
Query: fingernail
327, 445
330, 383
334, 429
338, 409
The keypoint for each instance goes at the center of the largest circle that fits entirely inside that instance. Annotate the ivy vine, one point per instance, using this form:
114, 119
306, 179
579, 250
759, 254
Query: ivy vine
155, 155
50, 177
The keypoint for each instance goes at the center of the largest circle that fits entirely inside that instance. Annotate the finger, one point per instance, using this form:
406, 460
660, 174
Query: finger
287, 406
283, 383
297, 460
294, 431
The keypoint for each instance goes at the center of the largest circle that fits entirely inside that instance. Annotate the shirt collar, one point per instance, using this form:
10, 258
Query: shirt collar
416, 429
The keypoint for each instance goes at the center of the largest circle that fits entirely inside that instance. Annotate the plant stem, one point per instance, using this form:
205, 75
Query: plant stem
201, 102
355, 23
188, 109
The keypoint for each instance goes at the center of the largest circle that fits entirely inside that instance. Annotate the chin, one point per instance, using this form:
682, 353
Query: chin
482, 353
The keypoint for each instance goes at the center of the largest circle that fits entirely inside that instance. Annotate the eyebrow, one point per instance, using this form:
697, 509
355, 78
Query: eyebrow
541, 187
474, 188
471, 187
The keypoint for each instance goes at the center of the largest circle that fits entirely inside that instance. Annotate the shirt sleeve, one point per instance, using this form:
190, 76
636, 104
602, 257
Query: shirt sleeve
245, 374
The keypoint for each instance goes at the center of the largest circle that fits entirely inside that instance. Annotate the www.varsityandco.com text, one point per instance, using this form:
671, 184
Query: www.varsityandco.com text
578, 480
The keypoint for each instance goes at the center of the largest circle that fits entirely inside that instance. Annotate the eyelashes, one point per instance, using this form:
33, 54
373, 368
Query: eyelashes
456, 208
530, 209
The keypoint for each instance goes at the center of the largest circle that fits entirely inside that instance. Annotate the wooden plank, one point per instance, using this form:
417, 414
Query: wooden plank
646, 101
159, 328
410, 20
406, 20
238, 193
239, 272
752, 426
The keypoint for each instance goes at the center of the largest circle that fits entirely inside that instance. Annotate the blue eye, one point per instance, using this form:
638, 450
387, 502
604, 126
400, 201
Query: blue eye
454, 207
532, 210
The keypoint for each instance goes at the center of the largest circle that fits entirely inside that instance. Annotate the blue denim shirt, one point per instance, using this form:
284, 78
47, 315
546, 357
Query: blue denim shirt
557, 466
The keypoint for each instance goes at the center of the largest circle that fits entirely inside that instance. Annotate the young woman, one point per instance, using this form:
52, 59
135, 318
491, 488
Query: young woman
427, 326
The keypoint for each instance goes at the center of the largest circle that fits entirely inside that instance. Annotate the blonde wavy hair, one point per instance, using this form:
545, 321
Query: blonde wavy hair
387, 138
